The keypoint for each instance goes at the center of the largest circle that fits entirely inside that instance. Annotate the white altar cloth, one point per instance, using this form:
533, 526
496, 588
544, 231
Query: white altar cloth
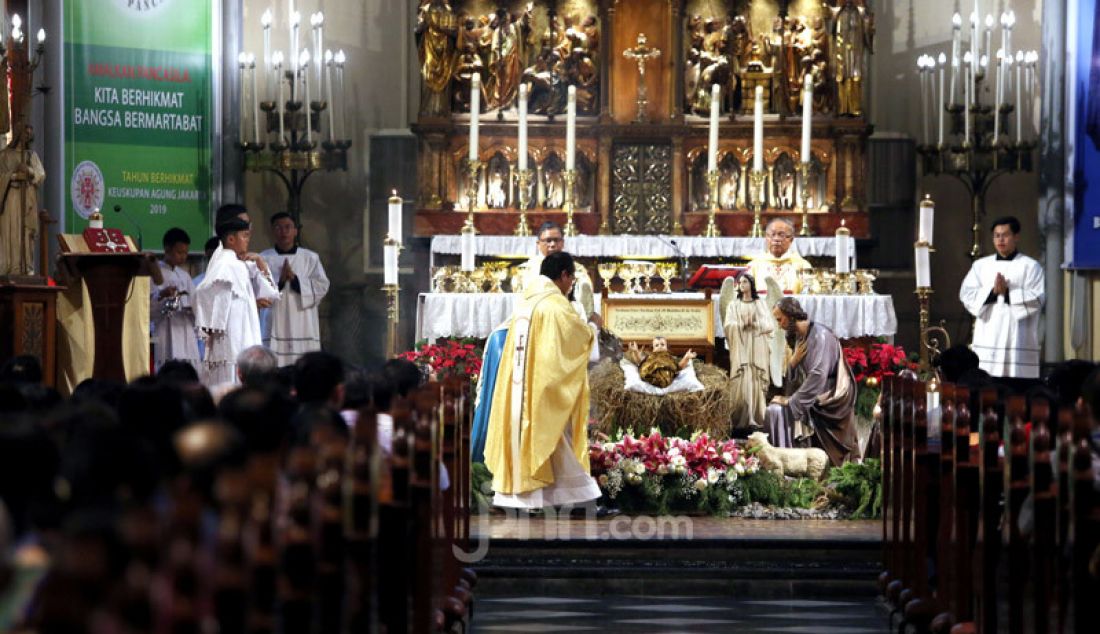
476, 314
627, 246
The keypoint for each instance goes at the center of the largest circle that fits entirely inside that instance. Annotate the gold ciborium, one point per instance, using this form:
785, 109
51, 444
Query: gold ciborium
667, 272
497, 273
807, 279
607, 271
865, 279
648, 271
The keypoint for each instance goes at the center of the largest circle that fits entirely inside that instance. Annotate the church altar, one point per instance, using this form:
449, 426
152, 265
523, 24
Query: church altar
476, 314
629, 246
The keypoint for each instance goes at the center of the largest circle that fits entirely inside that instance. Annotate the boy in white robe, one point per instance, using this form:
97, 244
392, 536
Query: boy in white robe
291, 327
226, 304
1005, 293
208, 251
170, 314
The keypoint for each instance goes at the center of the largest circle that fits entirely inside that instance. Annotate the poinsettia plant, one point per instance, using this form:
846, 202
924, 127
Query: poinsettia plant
447, 357
883, 359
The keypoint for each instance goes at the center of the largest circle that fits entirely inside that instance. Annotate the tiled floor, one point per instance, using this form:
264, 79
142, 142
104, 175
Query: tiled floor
666, 614
644, 527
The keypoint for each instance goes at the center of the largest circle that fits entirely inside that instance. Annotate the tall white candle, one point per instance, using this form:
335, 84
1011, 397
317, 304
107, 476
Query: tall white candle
843, 243
255, 101
923, 266
956, 40
390, 252
997, 97
469, 245
969, 86
317, 20
475, 111
807, 115
522, 158
927, 216
922, 75
330, 105
395, 203
304, 63
295, 19
712, 146
988, 52
242, 66
571, 129
339, 59
941, 102
265, 22
975, 35
278, 61
758, 130
1019, 96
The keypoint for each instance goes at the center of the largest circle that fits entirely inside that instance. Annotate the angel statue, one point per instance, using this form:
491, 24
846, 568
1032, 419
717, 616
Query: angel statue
749, 325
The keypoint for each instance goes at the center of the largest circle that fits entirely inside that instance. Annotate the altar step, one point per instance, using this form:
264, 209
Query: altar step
780, 568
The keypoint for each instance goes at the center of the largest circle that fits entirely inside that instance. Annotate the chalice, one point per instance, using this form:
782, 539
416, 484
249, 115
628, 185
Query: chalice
607, 271
648, 271
667, 271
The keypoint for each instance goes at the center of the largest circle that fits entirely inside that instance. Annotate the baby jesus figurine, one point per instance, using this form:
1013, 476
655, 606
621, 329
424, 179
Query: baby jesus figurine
658, 368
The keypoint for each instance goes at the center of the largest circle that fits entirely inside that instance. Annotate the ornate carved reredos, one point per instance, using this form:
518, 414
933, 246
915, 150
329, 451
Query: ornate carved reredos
550, 45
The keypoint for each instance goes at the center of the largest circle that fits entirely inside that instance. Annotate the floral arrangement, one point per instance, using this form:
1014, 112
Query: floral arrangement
447, 357
657, 474
869, 368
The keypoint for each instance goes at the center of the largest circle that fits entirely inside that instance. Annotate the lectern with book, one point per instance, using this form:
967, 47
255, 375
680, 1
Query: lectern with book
104, 313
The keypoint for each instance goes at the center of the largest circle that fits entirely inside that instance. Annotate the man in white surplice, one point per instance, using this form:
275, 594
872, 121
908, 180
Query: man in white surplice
291, 327
170, 313
1004, 292
226, 302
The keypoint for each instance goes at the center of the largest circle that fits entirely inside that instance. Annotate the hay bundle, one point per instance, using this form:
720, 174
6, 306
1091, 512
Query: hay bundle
681, 413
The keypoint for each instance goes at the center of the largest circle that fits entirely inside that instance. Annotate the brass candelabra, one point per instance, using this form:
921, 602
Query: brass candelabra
472, 170
804, 173
523, 179
712, 230
756, 196
393, 317
570, 177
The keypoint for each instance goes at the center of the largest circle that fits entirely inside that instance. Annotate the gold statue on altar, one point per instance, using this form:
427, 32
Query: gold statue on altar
436, 28
853, 34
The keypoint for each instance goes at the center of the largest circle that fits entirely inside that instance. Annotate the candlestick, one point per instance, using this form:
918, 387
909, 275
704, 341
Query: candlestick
570, 229
998, 83
923, 266
712, 230
317, 21
804, 169
807, 115
1019, 96
712, 147
988, 36
329, 103
523, 176
295, 19
393, 314
475, 111
968, 85
843, 243
571, 130
343, 136
242, 63
922, 66
265, 22
941, 103
756, 198
522, 158
927, 215
395, 204
758, 131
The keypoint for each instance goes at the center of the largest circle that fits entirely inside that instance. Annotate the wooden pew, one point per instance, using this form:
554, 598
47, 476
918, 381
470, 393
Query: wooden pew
1084, 534
1017, 488
957, 571
364, 470
1044, 503
889, 497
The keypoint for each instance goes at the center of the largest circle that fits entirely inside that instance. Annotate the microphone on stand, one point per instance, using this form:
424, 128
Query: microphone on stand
683, 261
118, 210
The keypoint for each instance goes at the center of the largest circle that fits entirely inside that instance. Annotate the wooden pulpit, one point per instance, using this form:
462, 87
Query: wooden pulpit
28, 322
109, 280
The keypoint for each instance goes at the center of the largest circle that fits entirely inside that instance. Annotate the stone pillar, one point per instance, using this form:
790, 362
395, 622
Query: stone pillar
1052, 156
677, 185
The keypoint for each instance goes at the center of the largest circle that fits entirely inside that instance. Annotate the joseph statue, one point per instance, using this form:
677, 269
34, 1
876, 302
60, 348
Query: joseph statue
20, 175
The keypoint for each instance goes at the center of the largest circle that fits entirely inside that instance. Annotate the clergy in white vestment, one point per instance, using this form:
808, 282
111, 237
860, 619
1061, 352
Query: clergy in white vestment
537, 442
226, 302
170, 313
1004, 292
291, 327
551, 239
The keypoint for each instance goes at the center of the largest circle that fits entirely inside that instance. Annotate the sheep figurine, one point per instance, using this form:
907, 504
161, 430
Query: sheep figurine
805, 463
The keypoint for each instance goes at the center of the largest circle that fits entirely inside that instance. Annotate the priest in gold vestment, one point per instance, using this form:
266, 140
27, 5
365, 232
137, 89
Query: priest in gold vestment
780, 262
537, 441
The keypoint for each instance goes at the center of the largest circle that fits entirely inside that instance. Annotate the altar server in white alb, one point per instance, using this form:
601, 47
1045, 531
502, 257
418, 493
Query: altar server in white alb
170, 314
1004, 292
291, 327
237, 283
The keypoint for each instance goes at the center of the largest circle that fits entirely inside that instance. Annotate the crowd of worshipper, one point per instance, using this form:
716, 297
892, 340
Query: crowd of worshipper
71, 469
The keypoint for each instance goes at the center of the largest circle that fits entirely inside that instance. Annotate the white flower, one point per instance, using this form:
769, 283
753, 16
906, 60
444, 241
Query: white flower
675, 451
727, 457
603, 480
712, 476
678, 461
662, 469
609, 447
639, 468
739, 468
700, 484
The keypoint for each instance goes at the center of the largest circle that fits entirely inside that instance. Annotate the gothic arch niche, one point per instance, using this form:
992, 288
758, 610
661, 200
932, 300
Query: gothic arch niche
551, 181
699, 190
730, 191
784, 177
498, 183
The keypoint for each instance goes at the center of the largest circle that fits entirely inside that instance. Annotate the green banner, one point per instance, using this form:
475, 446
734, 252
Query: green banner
139, 107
